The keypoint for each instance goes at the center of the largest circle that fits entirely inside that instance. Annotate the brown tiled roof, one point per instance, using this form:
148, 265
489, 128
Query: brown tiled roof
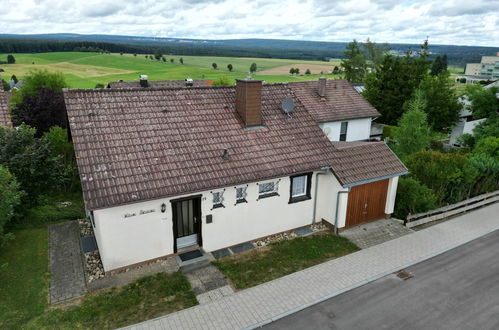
158, 84
4, 109
341, 101
141, 144
361, 162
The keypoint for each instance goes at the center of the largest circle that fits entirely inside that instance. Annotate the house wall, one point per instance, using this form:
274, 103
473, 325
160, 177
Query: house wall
128, 240
391, 194
358, 129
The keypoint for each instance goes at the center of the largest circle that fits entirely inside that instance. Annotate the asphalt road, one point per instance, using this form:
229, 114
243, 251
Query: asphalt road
455, 290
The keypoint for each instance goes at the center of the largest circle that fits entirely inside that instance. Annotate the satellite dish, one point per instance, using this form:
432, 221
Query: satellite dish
288, 105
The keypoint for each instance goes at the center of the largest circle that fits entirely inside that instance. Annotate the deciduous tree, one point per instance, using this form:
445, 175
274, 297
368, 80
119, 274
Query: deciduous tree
230, 67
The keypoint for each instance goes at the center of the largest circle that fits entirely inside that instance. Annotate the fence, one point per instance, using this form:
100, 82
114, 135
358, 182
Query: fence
418, 219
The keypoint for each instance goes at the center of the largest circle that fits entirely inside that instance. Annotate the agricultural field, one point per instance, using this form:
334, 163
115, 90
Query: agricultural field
85, 70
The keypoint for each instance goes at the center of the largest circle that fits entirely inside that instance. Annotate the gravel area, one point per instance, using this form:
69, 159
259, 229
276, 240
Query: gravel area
94, 267
85, 227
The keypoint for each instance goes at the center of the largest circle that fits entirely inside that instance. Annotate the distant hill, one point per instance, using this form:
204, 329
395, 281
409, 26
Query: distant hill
269, 48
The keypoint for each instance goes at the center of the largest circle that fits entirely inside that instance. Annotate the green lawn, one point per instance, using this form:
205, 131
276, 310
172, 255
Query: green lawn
23, 281
281, 258
144, 299
85, 70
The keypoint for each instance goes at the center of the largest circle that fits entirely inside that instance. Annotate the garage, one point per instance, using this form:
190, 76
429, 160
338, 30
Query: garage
366, 203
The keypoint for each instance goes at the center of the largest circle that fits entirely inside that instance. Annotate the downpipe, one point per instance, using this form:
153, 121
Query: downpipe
325, 170
336, 211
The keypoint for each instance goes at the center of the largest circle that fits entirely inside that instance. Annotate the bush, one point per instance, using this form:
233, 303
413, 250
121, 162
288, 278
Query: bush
462, 80
224, 81
449, 175
389, 131
10, 198
413, 197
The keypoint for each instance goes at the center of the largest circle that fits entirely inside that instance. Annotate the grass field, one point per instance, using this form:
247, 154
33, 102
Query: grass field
85, 70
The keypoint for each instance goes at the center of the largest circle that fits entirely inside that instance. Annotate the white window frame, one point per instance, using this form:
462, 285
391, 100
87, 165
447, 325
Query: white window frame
305, 184
273, 192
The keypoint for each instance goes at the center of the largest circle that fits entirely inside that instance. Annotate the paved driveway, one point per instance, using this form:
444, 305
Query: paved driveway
455, 290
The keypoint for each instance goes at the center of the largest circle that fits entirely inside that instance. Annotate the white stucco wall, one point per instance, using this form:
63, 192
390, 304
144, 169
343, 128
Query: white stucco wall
358, 129
391, 194
124, 241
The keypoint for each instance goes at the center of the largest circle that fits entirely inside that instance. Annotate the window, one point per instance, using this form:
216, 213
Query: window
300, 188
218, 199
241, 195
268, 189
343, 131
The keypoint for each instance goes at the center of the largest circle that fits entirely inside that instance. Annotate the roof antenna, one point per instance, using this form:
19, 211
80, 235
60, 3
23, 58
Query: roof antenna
226, 156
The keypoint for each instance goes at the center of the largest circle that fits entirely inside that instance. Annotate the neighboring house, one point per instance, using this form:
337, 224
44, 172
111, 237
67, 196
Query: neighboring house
469, 79
466, 123
144, 82
342, 113
488, 66
5, 119
167, 170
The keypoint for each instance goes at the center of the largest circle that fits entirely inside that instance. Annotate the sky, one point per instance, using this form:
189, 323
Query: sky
457, 22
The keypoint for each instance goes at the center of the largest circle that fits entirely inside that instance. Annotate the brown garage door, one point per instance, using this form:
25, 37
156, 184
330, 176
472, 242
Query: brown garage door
366, 203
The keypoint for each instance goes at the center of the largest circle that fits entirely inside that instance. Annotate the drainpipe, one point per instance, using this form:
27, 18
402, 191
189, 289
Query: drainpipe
336, 211
325, 170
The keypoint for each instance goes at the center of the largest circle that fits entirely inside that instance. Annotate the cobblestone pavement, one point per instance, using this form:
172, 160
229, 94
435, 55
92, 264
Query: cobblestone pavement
67, 280
261, 304
376, 232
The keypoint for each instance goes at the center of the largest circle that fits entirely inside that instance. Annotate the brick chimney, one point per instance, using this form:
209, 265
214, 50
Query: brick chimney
321, 87
249, 101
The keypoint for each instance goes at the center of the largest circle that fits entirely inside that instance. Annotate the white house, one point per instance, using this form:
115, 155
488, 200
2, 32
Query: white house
169, 170
342, 113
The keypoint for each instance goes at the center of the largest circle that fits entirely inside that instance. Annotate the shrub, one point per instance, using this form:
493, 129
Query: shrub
462, 80
449, 175
389, 131
10, 198
224, 81
413, 197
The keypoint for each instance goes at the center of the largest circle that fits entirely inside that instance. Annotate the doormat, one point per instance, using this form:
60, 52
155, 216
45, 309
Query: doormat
88, 244
190, 255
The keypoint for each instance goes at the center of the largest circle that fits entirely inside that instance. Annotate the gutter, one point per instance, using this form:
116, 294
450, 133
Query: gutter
325, 170
336, 211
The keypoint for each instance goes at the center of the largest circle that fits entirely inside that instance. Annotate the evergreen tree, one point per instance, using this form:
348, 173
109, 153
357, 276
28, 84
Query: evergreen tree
214, 65
307, 72
442, 105
230, 67
436, 67
413, 134
355, 63
181, 60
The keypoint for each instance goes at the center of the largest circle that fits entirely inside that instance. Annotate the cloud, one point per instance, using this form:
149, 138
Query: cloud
445, 22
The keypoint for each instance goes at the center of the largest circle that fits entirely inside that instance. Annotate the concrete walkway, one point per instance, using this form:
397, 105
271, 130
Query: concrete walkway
275, 299
376, 232
67, 280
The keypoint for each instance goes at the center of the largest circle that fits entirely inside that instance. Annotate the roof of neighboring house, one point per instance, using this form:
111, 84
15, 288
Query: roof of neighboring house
341, 101
4, 109
158, 84
142, 144
361, 162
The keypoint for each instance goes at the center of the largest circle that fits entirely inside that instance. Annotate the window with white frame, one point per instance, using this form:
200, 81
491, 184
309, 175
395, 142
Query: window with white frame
300, 188
241, 195
218, 199
268, 189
